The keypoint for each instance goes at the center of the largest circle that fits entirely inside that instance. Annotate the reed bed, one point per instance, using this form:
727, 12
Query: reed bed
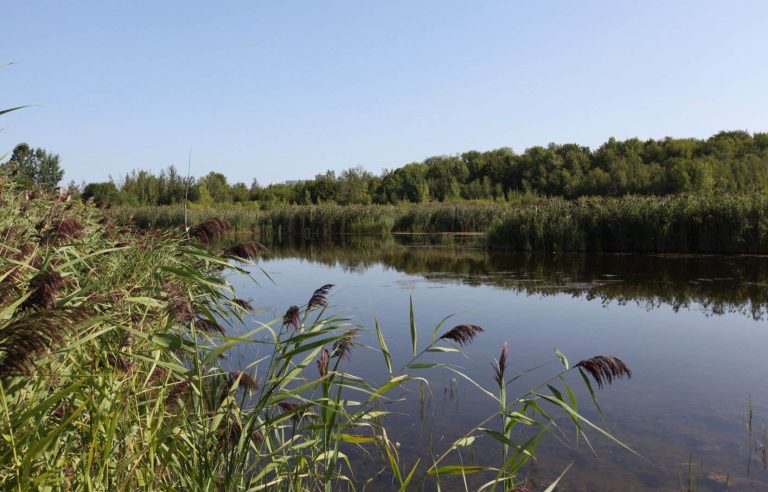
326, 220
111, 374
679, 223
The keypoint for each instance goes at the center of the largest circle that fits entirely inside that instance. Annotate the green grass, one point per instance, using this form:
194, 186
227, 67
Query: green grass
111, 376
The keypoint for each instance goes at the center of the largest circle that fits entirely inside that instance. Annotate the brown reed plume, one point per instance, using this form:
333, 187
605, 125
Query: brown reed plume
604, 369
44, 286
462, 334
291, 318
246, 251
179, 392
322, 362
25, 341
204, 324
500, 366
243, 304
288, 406
62, 230
210, 230
320, 297
247, 381
342, 347
178, 303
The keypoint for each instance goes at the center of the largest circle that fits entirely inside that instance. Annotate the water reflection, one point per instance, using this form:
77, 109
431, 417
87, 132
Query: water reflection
714, 284
688, 326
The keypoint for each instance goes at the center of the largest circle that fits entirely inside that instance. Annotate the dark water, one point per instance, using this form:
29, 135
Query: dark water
692, 328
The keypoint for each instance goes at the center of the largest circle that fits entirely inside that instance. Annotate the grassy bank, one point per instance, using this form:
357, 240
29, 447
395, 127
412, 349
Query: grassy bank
681, 223
113, 375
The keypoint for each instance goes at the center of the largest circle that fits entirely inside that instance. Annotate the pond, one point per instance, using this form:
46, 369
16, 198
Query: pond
692, 329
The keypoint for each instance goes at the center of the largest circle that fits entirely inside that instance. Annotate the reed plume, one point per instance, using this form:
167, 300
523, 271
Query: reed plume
322, 362
204, 324
27, 340
243, 304
245, 380
179, 392
178, 304
500, 366
604, 369
63, 229
320, 297
246, 251
44, 286
291, 318
210, 230
343, 347
462, 334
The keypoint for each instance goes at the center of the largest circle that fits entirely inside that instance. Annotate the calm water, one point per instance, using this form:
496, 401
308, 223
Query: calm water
692, 328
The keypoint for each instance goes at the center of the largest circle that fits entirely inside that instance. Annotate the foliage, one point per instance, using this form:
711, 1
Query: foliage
34, 167
730, 161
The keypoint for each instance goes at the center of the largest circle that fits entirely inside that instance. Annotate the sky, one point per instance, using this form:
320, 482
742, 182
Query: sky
285, 90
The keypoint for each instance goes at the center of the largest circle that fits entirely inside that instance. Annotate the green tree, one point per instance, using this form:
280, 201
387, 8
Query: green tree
35, 167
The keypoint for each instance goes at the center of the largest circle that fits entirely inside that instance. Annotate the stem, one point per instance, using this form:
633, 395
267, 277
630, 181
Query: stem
13, 441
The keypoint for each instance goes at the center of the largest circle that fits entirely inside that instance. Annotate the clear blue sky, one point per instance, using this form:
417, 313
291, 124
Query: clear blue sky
287, 89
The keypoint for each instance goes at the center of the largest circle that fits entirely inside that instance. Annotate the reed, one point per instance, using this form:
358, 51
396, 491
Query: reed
326, 220
678, 223
111, 342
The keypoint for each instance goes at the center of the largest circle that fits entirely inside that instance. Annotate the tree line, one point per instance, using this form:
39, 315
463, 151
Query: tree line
730, 161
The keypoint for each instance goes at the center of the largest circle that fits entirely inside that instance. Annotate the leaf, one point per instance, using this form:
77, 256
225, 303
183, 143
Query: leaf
552, 486
414, 338
463, 442
562, 358
424, 365
355, 439
383, 345
459, 470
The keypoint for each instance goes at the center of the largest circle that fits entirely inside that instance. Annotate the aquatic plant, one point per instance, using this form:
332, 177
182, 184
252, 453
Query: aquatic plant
114, 372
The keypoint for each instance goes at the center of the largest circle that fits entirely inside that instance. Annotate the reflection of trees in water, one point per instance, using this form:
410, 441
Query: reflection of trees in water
717, 284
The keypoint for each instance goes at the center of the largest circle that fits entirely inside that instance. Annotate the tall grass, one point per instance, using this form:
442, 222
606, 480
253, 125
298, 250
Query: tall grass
327, 220
675, 223
681, 223
111, 372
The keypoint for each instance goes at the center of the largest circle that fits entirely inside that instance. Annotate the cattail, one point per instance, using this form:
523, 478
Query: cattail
462, 334
320, 297
246, 251
210, 230
204, 324
500, 366
25, 341
343, 346
604, 369
44, 287
291, 318
243, 304
322, 362
244, 379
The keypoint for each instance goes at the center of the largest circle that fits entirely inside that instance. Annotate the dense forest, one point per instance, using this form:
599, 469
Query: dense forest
732, 161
